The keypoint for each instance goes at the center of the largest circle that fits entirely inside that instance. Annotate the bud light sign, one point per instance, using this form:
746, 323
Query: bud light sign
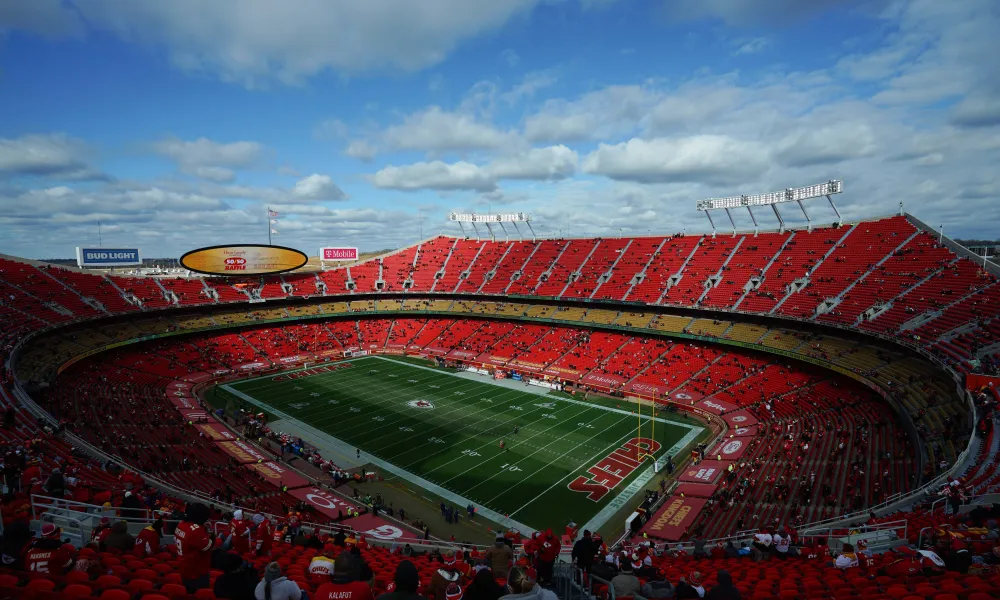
108, 257
338, 253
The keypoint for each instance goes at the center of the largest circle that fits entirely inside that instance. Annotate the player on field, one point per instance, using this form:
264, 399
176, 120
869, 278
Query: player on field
516, 429
503, 446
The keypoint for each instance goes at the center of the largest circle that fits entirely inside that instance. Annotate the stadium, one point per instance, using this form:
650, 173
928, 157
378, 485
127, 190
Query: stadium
477, 300
665, 388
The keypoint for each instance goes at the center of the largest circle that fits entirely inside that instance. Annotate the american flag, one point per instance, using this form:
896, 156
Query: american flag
271, 213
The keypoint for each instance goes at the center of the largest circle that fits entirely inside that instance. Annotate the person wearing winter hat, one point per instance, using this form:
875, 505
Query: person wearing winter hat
690, 587
275, 586
49, 554
658, 587
239, 532
446, 574
101, 532
262, 537
724, 590
120, 539
404, 584
626, 583
344, 584
499, 558
522, 584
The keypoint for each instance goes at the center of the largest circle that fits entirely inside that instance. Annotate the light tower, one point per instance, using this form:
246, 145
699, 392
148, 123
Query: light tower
493, 219
773, 199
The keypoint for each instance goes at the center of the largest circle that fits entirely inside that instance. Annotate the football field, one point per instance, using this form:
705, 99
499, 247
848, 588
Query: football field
571, 460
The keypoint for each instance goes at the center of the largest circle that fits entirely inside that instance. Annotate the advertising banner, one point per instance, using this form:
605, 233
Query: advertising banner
279, 475
334, 254
674, 517
196, 415
707, 471
647, 389
250, 259
743, 432
715, 406
377, 528
686, 397
108, 257
325, 502
729, 449
216, 432
740, 418
242, 452
603, 380
184, 403
697, 490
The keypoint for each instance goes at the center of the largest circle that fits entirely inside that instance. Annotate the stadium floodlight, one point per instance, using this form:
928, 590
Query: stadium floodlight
492, 219
773, 199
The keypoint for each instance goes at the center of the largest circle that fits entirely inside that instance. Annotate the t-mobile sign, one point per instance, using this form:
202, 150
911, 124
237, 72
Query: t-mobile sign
338, 253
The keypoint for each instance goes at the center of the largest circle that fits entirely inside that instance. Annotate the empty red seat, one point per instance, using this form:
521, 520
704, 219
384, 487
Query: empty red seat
77, 590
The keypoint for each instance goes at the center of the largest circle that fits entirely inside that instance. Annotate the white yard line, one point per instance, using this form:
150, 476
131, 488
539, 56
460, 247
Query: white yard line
401, 473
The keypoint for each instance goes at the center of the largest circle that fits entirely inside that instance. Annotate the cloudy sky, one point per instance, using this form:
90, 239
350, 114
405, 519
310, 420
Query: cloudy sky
176, 123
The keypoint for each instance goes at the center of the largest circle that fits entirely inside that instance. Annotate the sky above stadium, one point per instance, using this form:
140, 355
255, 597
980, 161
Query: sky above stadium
175, 124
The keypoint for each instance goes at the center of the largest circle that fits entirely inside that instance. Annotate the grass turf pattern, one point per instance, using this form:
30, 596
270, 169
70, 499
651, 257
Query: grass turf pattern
447, 430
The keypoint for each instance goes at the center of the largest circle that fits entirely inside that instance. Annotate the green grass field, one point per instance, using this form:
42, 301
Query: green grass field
442, 431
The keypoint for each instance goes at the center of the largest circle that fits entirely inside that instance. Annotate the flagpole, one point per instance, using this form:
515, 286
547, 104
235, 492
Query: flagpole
268, 225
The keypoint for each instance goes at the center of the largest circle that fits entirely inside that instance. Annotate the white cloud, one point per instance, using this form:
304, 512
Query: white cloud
437, 130
318, 187
827, 145
714, 159
57, 156
434, 175
977, 111
510, 57
209, 159
752, 46
361, 150
255, 41
739, 13
541, 164
554, 162
609, 112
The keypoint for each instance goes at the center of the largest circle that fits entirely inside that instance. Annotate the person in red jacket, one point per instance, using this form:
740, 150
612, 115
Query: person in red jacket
48, 554
263, 535
147, 543
98, 535
239, 529
343, 585
547, 554
194, 547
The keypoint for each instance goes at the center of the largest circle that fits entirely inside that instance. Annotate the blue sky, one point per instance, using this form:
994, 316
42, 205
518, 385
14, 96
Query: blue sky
175, 124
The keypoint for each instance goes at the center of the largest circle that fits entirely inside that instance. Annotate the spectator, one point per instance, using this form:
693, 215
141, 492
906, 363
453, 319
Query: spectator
275, 586
147, 543
782, 544
238, 580
49, 554
16, 536
847, 558
658, 587
194, 547
523, 586
499, 557
55, 485
322, 565
690, 587
583, 551
131, 506
345, 585
699, 548
625, 583
445, 575
362, 571
723, 590
404, 584
483, 587
119, 538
